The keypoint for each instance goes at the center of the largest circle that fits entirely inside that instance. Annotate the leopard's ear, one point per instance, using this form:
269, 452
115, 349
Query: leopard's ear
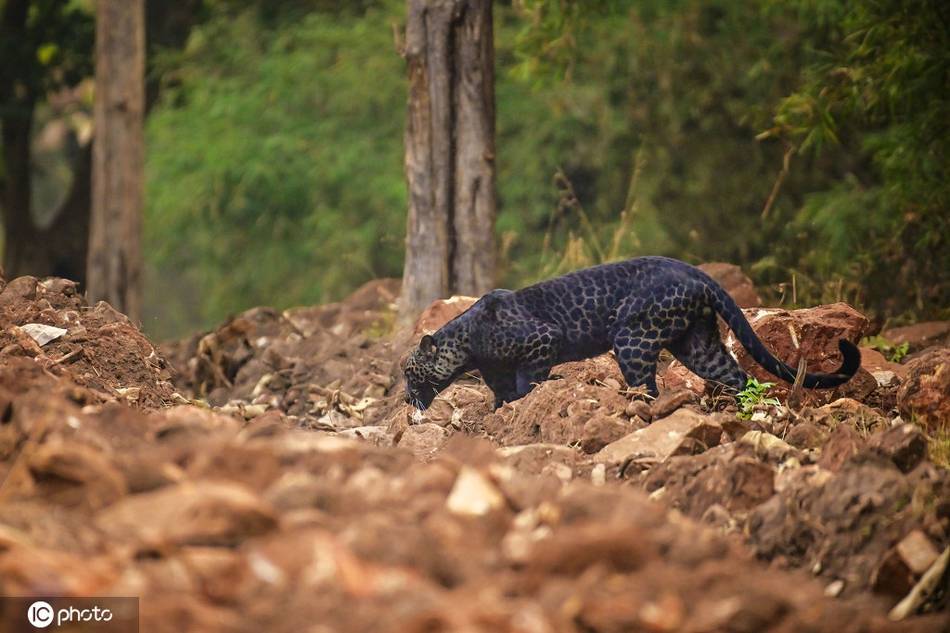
427, 345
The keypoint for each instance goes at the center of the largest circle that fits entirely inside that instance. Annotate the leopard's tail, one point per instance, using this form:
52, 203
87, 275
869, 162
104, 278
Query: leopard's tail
728, 310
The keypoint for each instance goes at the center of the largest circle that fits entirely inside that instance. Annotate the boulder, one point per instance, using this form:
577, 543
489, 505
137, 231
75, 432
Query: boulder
474, 494
919, 335
874, 361
424, 440
806, 434
670, 401
733, 281
676, 377
19, 289
925, 394
601, 430
810, 333
768, 446
845, 410
685, 431
440, 312
905, 445
729, 476
843, 444
199, 513
533, 458
75, 475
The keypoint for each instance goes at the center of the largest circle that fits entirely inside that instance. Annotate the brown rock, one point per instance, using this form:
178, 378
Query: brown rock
734, 426
533, 458
874, 361
601, 430
440, 312
145, 470
28, 570
733, 281
188, 421
846, 410
250, 464
925, 394
812, 333
903, 564
75, 475
858, 388
892, 576
199, 513
377, 435
683, 431
727, 475
919, 335
19, 289
640, 409
769, 447
474, 494
670, 401
843, 444
573, 549
676, 377
918, 552
807, 434
905, 445
424, 440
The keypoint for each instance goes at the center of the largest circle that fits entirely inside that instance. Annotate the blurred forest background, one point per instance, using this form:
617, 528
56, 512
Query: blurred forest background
805, 140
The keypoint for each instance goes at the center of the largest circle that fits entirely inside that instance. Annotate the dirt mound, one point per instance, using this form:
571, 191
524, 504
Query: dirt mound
230, 526
326, 367
94, 347
299, 488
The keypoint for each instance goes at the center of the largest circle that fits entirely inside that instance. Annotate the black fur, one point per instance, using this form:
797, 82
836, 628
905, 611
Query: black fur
636, 308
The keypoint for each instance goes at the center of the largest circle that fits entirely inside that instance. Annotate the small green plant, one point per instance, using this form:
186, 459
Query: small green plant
893, 353
755, 393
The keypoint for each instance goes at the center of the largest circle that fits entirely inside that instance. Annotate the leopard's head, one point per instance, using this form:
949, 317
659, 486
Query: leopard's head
430, 368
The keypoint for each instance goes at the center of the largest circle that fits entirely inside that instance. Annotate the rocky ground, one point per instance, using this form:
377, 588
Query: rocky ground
267, 476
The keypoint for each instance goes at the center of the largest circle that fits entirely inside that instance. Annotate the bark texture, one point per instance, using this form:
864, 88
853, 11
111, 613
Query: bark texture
114, 273
15, 126
450, 151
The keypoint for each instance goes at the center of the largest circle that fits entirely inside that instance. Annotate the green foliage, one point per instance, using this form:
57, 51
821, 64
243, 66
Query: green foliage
893, 352
274, 160
624, 128
755, 393
877, 89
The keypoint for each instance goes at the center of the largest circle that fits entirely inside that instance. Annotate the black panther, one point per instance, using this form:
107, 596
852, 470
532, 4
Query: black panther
635, 307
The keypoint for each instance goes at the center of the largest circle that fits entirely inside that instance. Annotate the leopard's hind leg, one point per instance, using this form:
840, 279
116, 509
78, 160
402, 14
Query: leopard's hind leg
701, 350
637, 357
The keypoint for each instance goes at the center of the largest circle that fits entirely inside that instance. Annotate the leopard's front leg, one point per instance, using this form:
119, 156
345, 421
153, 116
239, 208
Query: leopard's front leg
538, 355
502, 382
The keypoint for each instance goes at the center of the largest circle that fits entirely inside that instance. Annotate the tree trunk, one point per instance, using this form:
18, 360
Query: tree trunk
450, 151
15, 127
118, 156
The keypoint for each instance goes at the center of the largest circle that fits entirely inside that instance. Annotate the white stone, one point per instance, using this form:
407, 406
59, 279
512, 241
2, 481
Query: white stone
473, 494
41, 333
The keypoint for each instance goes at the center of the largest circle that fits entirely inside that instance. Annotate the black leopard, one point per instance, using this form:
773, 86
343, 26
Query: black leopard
636, 308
